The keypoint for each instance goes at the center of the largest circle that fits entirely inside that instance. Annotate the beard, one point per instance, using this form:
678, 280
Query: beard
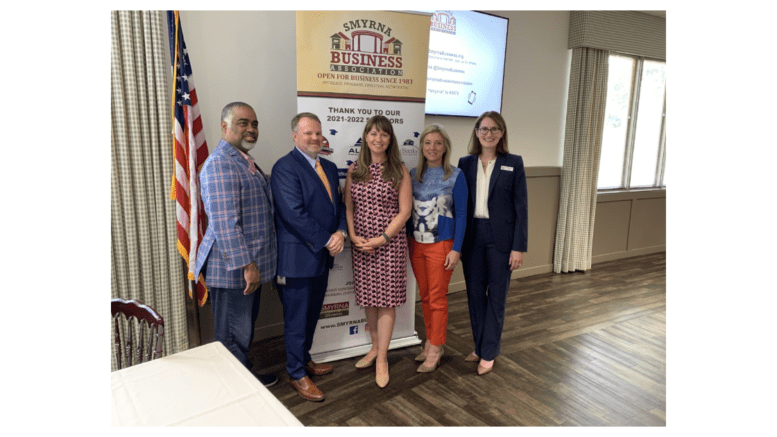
246, 145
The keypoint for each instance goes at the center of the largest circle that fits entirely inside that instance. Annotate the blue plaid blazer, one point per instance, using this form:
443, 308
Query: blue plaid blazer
240, 230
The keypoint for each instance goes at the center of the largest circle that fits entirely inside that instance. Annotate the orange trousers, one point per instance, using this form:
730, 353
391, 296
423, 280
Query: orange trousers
428, 261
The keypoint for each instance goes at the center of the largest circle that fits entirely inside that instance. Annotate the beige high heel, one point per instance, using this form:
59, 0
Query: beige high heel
423, 369
382, 380
472, 357
365, 363
422, 355
482, 370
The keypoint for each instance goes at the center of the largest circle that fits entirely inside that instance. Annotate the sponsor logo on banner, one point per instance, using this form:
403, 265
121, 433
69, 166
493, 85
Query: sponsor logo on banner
353, 153
366, 47
325, 149
409, 148
354, 150
409, 151
354, 330
338, 309
349, 323
444, 21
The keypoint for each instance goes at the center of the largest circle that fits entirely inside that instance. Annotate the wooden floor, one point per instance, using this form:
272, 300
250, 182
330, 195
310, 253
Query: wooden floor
577, 349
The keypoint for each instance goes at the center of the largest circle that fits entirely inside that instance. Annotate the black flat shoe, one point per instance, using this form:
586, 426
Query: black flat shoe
267, 380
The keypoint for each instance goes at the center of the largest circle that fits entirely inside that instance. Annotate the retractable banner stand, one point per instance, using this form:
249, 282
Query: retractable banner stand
352, 65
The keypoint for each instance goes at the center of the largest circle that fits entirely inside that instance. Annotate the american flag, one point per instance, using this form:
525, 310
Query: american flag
189, 151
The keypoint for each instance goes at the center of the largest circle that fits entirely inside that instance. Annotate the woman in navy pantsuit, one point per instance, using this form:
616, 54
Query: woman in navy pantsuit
496, 233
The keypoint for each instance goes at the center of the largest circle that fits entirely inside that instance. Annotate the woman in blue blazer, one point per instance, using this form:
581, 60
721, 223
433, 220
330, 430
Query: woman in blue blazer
496, 232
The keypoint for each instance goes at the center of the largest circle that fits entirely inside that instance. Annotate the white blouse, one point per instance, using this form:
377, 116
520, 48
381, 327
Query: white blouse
481, 195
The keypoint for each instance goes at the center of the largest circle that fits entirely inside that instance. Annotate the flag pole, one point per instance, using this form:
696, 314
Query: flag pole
193, 307
172, 105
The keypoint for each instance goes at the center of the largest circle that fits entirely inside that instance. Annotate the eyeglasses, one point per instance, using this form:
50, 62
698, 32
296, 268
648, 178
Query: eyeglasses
493, 130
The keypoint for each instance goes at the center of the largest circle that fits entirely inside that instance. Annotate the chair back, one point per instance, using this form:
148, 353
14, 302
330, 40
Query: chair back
144, 316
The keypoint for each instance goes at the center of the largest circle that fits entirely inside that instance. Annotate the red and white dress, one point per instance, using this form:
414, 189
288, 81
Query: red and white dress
380, 277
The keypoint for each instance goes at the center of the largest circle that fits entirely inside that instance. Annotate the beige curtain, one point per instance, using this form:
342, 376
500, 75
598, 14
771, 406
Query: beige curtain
145, 264
618, 31
582, 148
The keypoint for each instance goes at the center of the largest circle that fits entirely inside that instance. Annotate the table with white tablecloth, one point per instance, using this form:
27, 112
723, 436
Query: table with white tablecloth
204, 386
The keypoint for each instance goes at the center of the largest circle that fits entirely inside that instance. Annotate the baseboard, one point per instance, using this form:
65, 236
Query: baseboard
457, 286
454, 287
531, 271
270, 331
627, 254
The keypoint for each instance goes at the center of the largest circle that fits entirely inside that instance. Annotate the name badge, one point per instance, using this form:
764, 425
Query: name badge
506, 168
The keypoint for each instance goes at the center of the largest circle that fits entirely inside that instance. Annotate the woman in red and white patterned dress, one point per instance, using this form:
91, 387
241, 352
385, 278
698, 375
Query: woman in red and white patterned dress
378, 203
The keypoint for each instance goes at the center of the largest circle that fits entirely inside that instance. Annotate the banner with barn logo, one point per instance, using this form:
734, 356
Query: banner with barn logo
352, 65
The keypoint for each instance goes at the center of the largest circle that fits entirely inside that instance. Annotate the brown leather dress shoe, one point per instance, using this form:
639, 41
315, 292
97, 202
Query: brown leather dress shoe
307, 389
318, 369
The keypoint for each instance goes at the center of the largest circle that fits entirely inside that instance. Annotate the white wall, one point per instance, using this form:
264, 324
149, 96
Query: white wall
251, 56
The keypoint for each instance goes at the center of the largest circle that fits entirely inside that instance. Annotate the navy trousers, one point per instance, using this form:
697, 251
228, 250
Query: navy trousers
302, 299
234, 316
487, 276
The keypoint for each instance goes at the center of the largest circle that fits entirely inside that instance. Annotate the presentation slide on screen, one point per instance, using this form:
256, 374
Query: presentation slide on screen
466, 63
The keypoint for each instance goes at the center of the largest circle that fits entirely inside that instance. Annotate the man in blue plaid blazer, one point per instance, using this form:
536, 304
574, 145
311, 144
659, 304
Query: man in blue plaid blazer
239, 250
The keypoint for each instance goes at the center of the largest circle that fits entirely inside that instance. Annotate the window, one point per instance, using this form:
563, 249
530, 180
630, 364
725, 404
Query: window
634, 138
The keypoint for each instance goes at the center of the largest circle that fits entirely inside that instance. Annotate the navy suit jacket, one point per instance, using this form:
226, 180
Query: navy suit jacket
507, 202
305, 218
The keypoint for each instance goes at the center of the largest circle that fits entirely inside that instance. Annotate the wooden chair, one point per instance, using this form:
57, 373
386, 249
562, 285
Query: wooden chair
144, 316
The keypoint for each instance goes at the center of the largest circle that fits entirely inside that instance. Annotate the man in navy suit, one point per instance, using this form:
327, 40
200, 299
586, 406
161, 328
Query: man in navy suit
310, 223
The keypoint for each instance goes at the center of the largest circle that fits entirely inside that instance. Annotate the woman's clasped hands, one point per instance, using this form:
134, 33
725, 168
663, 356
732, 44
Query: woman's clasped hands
367, 245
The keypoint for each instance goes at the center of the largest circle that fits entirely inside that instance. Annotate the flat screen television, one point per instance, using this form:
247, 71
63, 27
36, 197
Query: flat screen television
465, 75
